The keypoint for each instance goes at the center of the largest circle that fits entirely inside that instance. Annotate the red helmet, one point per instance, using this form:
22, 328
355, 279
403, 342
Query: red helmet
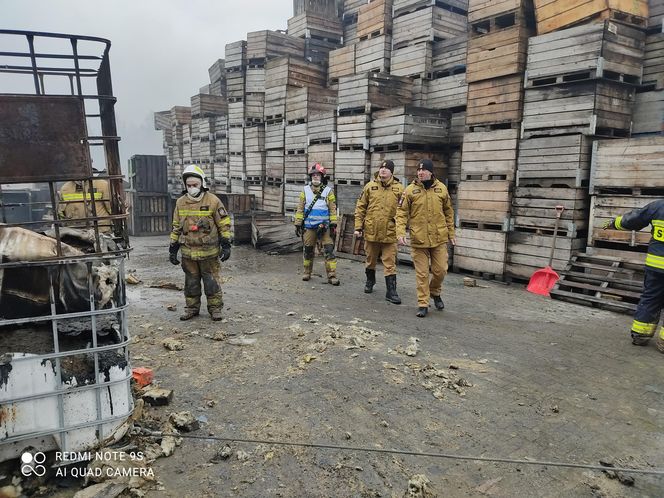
317, 168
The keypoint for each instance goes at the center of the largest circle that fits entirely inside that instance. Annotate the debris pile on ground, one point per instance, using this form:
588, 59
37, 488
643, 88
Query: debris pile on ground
419, 486
438, 381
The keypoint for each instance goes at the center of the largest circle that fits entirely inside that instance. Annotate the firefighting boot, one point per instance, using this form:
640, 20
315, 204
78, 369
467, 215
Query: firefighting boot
660, 343
371, 280
438, 303
215, 315
391, 294
640, 339
333, 280
189, 313
422, 311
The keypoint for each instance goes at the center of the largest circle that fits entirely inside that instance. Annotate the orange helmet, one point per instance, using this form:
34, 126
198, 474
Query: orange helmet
317, 168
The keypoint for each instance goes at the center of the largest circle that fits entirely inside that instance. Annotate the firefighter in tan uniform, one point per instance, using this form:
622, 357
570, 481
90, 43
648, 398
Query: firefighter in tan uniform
72, 204
201, 230
316, 219
375, 221
427, 208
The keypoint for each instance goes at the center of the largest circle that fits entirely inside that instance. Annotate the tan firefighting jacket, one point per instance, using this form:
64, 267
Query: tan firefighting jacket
376, 209
302, 207
199, 225
71, 205
428, 212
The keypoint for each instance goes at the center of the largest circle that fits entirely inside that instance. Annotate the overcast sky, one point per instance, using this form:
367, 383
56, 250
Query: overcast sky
160, 52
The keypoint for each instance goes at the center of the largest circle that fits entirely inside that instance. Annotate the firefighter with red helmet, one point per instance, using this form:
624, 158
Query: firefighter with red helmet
316, 220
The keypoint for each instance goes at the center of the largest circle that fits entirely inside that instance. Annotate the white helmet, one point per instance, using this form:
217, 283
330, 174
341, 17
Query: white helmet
197, 171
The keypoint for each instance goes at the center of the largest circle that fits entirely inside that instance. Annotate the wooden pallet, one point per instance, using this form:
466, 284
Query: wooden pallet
600, 281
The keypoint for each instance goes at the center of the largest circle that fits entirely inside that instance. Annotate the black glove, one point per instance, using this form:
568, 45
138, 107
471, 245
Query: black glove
173, 253
225, 249
298, 230
333, 231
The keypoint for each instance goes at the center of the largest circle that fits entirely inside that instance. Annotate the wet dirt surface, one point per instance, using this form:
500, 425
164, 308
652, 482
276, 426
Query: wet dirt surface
295, 361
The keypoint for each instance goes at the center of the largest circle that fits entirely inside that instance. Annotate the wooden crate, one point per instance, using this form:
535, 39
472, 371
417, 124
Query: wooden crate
318, 7
606, 207
349, 23
235, 84
255, 78
558, 161
653, 63
496, 101
449, 56
220, 174
313, 25
235, 55
553, 15
292, 196
403, 7
295, 166
254, 108
528, 252
254, 138
347, 196
236, 167
602, 108
656, 16
490, 155
274, 164
450, 92
367, 92
351, 166
208, 105
480, 10
275, 103
429, 24
412, 60
409, 125
274, 134
374, 19
533, 209
347, 244
484, 204
322, 127
217, 70
373, 55
255, 165
323, 154
266, 44
353, 132
293, 71
236, 114
627, 166
295, 138
457, 126
502, 53
599, 50
406, 161
273, 196
649, 113
318, 51
150, 213
301, 103
342, 63
482, 251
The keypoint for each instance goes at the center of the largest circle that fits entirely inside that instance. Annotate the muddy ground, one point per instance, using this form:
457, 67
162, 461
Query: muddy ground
308, 362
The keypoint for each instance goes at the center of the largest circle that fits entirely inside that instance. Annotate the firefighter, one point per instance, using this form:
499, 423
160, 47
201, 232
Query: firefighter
72, 204
201, 230
375, 221
646, 316
427, 208
316, 219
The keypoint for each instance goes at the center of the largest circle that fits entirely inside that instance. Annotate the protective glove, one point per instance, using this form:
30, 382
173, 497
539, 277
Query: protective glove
298, 230
173, 253
225, 249
609, 224
333, 231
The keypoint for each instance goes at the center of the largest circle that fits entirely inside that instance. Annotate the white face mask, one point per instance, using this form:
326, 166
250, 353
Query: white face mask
316, 180
193, 191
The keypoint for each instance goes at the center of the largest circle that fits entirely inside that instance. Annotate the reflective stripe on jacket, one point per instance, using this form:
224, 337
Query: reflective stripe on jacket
72, 205
376, 210
651, 214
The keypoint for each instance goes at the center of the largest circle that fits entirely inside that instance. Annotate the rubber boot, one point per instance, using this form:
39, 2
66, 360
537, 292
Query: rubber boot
640, 339
306, 276
422, 311
438, 303
215, 315
333, 280
391, 294
371, 280
188, 314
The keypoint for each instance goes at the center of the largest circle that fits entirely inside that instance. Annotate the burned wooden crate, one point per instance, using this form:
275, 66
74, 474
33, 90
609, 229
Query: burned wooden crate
484, 204
490, 155
255, 78
653, 63
495, 103
274, 164
295, 165
480, 251
301, 103
374, 19
428, 24
309, 25
208, 105
649, 113
274, 134
351, 167
348, 245
292, 190
457, 126
373, 91
406, 126
373, 55
295, 138
490, 16
534, 209
274, 234
450, 92
597, 107
628, 166
323, 154
419, 96
265, 45
605, 207
412, 60
235, 56
553, 15
606, 282
529, 252
293, 71
353, 132
321, 127
406, 162
448, 57
599, 50
558, 161
273, 196
254, 187
148, 173
349, 23
150, 213
275, 103
341, 63
498, 54
347, 195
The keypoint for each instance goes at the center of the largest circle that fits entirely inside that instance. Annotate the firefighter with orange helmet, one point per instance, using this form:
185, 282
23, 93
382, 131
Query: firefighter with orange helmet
316, 219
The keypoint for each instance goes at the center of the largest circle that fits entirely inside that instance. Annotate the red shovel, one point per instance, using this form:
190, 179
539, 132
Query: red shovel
542, 281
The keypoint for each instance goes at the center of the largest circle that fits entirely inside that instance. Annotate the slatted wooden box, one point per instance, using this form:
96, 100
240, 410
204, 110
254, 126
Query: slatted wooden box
274, 164
409, 125
591, 51
449, 56
605, 207
275, 103
457, 127
254, 138
311, 25
292, 196
217, 70
374, 18
322, 126
649, 113
412, 60
255, 79
265, 45
236, 166
323, 154
482, 251
293, 71
484, 204
255, 165
342, 63
180, 115
496, 101
302, 103
403, 7
236, 140
428, 24
528, 252
406, 161
653, 63
236, 114
295, 165
349, 23
553, 15
373, 91
220, 173
490, 155
351, 166
295, 138
656, 16
558, 161
273, 197
373, 55
235, 56
533, 208
235, 84
254, 108
450, 92
274, 134
598, 107
353, 132
497, 54
208, 105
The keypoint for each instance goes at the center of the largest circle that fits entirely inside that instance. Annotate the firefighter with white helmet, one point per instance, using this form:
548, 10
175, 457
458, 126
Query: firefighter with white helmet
201, 231
316, 219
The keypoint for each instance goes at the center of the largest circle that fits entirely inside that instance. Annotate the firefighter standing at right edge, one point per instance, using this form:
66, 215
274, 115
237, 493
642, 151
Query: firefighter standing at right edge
646, 316
316, 219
